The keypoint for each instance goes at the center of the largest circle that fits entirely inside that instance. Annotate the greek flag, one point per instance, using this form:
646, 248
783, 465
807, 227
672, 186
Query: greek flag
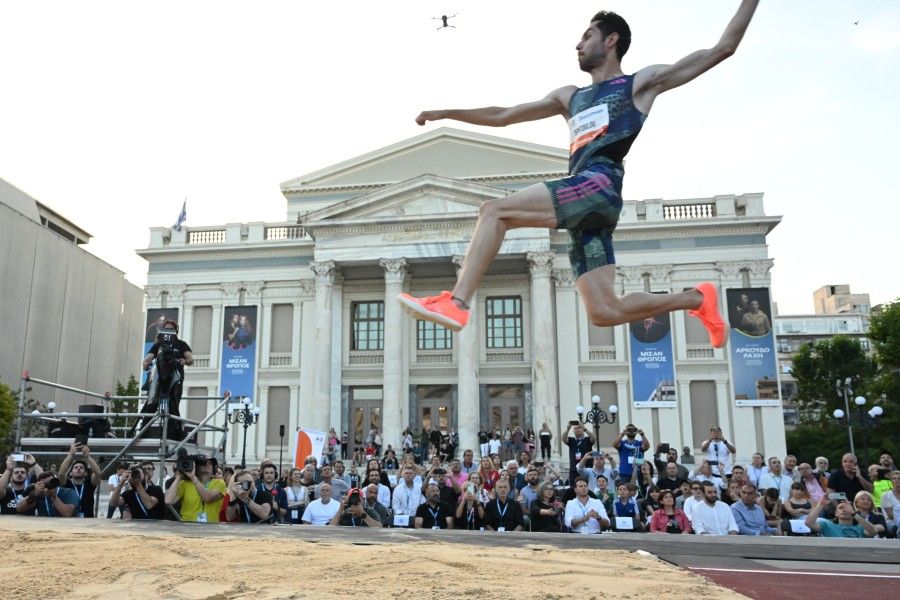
182, 216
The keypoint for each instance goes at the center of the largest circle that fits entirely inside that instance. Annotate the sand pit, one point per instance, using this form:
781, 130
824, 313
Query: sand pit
100, 560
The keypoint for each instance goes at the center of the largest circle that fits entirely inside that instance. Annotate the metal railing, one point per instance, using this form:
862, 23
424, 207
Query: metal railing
115, 448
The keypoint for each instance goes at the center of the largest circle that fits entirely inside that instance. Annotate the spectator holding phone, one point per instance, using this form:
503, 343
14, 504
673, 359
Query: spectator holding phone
849, 480
73, 474
631, 444
12, 484
580, 442
469, 511
849, 523
718, 452
598, 468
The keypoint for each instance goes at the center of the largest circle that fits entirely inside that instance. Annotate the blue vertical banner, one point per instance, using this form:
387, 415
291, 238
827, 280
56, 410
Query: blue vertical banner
155, 318
754, 364
238, 369
653, 362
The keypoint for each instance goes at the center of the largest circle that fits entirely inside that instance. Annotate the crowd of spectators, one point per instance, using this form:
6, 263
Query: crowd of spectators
628, 489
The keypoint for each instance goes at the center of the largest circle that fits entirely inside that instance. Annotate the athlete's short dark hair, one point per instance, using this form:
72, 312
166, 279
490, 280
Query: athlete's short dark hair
609, 22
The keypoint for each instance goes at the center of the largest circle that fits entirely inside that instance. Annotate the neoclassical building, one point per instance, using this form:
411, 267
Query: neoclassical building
335, 350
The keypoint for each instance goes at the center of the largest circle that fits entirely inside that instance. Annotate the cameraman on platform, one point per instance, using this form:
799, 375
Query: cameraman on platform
47, 499
73, 474
141, 499
200, 495
181, 354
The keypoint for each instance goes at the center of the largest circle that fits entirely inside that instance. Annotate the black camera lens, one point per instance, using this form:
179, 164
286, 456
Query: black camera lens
246, 485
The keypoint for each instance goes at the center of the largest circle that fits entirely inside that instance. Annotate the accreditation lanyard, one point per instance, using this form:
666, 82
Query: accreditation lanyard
246, 510
434, 516
502, 513
470, 518
79, 492
137, 497
49, 508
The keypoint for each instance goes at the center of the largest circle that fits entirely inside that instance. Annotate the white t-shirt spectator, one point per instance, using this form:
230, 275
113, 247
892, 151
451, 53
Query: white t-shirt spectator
782, 483
406, 500
112, 482
889, 500
718, 452
575, 510
494, 446
713, 520
318, 513
689, 505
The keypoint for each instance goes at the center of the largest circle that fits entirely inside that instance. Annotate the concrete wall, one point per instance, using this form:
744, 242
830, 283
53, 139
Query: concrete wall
67, 315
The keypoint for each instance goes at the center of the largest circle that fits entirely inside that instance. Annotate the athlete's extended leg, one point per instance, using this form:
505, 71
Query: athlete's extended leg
605, 309
531, 207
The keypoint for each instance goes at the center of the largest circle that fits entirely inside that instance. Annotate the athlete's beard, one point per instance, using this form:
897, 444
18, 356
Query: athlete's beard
589, 63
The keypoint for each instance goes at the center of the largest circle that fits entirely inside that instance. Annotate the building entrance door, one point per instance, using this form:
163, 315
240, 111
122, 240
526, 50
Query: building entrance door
506, 407
434, 407
365, 415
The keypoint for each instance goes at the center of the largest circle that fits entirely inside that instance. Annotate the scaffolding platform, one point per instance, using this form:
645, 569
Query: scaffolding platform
137, 437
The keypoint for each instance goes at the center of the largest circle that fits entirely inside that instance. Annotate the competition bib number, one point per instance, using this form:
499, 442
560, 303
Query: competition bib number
587, 126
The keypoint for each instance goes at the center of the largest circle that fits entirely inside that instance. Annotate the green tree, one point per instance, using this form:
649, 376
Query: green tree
131, 388
817, 367
9, 410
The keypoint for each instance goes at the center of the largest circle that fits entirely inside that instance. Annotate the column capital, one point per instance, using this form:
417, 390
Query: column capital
541, 263
394, 269
759, 268
630, 273
254, 288
325, 272
458, 260
175, 291
232, 288
153, 291
564, 278
307, 287
659, 273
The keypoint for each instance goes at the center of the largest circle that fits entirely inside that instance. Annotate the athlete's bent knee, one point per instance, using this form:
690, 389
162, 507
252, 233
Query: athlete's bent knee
604, 315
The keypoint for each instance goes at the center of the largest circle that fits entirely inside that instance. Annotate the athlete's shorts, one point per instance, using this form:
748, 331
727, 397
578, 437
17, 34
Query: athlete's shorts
588, 204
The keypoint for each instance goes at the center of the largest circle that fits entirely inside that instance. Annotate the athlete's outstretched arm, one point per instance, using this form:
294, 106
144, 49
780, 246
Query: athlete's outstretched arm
554, 103
656, 79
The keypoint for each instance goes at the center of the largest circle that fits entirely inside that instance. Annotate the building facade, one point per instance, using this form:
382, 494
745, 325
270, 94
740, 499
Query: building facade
68, 316
334, 349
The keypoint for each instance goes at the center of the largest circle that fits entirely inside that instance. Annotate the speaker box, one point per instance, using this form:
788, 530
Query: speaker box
93, 426
63, 429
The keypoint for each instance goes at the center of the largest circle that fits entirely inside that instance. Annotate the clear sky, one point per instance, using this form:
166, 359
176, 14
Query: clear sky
112, 113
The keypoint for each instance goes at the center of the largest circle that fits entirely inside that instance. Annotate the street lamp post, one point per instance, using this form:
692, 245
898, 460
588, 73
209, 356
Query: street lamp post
247, 415
866, 419
597, 415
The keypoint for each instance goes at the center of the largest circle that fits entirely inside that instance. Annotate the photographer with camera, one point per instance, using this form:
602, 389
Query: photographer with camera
73, 475
47, 499
200, 495
170, 354
248, 503
631, 444
469, 511
138, 497
354, 513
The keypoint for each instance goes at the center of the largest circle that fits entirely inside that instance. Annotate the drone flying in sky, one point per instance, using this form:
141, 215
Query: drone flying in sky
443, 19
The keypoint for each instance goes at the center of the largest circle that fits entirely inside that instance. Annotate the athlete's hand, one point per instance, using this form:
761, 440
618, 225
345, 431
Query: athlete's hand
429, 115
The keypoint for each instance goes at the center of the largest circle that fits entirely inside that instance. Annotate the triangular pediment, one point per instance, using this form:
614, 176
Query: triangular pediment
423, 196
445, 152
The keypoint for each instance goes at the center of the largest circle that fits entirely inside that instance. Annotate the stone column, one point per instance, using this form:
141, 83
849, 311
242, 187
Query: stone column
543, 343
468, 409
321, 400
568, 340
394, 395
